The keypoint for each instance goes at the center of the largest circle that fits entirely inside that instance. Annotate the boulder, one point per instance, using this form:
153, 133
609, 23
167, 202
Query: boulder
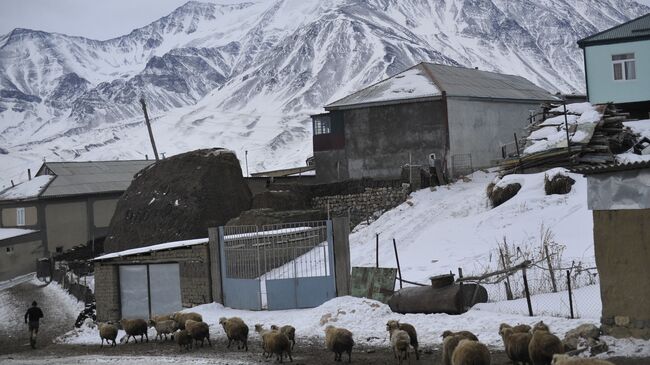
178, 198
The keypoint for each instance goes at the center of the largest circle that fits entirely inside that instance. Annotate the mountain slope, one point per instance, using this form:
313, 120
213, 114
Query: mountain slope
247, 75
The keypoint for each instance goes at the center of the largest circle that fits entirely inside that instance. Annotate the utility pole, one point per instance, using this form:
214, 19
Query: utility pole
246, 156
146, 120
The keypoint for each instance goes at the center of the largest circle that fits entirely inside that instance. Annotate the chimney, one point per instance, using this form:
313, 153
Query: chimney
476, 68
29, 174
12, 183
146, 157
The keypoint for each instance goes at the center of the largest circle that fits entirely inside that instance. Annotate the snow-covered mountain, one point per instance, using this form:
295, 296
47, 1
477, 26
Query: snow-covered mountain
246, 75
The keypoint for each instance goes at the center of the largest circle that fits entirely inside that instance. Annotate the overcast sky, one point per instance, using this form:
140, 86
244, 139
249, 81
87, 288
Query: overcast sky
96, 19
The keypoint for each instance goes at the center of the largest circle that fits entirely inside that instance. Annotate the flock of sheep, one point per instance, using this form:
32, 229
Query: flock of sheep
523, 345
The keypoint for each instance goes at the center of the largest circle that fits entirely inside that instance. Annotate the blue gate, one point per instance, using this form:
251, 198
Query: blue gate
282, 266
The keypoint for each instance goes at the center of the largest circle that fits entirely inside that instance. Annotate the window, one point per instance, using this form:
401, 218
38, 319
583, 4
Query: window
10, 250
624, 66
20, 216
322, 125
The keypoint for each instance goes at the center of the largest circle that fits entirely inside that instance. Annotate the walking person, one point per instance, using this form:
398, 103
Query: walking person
32, 317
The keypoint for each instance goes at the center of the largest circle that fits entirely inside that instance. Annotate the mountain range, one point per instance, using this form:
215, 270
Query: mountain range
246, 75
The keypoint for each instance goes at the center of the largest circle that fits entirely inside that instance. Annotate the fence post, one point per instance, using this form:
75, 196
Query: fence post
376, 250
527, 291
506, 266
399, 269
214, 249
341, 249
550, 268
568, 284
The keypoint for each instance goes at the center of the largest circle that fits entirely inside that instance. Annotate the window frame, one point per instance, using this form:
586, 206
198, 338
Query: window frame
322, 126
9, 250
623, 62
20, 217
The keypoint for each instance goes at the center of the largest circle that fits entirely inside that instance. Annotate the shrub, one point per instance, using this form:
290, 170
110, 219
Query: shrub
559, 184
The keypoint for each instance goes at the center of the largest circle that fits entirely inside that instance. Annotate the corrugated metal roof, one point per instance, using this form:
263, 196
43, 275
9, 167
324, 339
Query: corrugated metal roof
454, 81
77, 178
615, 167
638, 28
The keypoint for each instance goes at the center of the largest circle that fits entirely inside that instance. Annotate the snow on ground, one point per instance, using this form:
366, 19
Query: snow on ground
454, 226
6, 284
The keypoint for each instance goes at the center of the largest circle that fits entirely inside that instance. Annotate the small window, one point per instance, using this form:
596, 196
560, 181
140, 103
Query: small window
322, 126
59, 249
624, 66
20, 216
10, 250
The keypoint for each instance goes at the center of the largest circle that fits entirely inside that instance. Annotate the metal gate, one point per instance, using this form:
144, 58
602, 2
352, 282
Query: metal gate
149, 290
280, 266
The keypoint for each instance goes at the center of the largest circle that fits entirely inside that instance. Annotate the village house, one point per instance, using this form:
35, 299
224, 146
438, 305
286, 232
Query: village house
619, 197
617, 66
459, 116
65, 205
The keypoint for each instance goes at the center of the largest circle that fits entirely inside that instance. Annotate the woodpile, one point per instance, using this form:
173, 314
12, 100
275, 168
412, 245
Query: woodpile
598, 144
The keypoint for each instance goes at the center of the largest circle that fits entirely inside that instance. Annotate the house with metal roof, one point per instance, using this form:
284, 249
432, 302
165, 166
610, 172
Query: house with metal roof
460, 116
65, 205
617, 66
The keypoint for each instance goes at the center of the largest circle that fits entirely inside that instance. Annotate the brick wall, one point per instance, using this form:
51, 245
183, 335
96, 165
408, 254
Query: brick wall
194, 267
364, 204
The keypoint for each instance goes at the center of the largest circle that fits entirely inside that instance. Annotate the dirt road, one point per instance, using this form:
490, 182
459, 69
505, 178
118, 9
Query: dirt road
14, 302
306, 352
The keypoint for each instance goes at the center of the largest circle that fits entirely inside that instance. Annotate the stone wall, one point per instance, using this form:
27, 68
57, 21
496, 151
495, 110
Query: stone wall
194, 266
362, 205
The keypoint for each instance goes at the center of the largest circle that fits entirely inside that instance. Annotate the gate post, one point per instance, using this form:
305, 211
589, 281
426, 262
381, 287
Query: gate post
341, 235
214, 250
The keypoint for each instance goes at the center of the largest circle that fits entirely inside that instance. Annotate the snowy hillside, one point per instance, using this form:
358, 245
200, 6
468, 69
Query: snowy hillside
246, 75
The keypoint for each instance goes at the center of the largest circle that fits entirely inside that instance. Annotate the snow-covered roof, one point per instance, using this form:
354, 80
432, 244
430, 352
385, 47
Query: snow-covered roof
153, 248
28, 189
428, 80
635, 29
6, 233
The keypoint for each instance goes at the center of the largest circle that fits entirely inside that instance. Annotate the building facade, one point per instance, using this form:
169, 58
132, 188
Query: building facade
458, 115
619, 197
617, 66
66, 204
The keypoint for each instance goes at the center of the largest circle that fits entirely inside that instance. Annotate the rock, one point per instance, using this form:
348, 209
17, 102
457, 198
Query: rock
586, 330
178, 198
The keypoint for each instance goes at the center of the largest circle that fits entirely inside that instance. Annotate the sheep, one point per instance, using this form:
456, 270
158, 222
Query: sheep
260, 329
276, 342
162, 317
451, 340
236, 330
520, 328
288, 331
469, 352
183, 339
181, 318
339, 340
108, 332
543, 345
199, 331
563, 359
135, 327
164, 327
516, 345
464, 334
399, 341
413, 335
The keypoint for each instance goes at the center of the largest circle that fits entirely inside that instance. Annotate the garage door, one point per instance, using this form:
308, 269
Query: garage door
149, 290
134, 292
164, 288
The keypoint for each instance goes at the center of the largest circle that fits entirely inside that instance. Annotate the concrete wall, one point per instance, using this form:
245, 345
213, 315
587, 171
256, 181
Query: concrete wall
600, 73
67, 224
378, 139
103, 212
622, 245
331, 166
9, 216
21, 260
480, 127
194, 265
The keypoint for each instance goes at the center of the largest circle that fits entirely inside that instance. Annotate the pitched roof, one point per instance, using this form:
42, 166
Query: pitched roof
428, 81
76, 178
635, 29
56, 179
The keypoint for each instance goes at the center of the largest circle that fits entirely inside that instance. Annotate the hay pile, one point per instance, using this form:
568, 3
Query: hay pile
178, 198
558, 184
498, 195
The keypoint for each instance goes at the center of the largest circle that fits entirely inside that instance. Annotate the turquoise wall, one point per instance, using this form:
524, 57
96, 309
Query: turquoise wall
600, 73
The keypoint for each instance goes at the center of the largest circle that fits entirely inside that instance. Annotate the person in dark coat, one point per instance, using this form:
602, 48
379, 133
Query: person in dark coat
32, 318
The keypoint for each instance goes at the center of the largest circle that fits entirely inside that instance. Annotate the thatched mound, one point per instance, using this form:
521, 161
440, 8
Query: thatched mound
178, 198
559, 184
499, 196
